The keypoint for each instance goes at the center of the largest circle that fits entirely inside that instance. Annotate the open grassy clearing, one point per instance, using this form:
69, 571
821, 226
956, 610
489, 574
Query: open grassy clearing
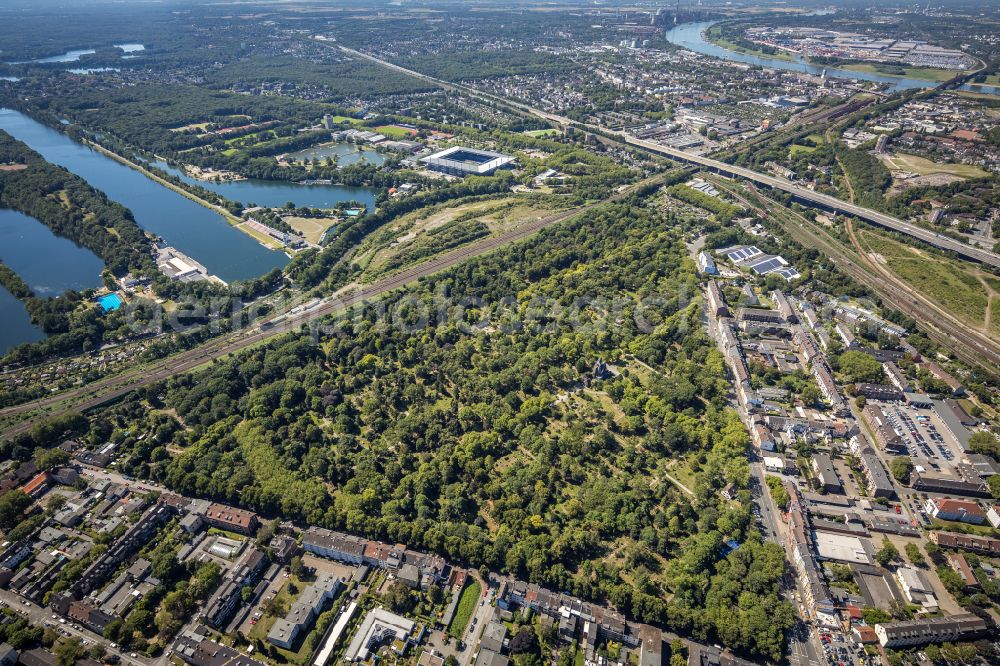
416, 233
542, 132
311, 229
925, 167
953, 286
714, 35
337, 120
796, 149
923, 73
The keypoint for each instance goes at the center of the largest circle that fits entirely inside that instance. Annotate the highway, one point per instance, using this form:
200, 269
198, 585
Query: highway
802, 193
826, 201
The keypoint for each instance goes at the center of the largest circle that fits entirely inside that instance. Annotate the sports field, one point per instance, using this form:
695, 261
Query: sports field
309, 228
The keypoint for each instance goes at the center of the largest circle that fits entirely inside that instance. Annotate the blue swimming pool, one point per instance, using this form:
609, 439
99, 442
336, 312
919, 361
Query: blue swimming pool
110, 302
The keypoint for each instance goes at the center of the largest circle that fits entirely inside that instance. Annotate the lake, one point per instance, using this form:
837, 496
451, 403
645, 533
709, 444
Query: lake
17, 328
690, 36
346, 154
50, 264
276, 193
195, 230
75, 54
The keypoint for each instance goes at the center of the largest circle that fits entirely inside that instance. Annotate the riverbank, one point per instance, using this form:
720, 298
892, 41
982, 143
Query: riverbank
234, 221
922, 73
700, 37
713, 35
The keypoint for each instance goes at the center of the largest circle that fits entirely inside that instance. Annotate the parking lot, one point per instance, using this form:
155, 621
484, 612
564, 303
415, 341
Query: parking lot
929, 442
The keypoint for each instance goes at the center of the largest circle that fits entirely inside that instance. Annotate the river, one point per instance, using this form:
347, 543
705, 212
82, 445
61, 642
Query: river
195, 230
276, 193
690, 36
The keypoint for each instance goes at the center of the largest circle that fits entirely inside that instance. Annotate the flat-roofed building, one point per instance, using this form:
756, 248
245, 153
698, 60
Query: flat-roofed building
651, 646
993, 515
380, 627
916, 588
463, 161
907, 633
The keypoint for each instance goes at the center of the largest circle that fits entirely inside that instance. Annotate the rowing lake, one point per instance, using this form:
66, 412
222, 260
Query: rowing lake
195, 230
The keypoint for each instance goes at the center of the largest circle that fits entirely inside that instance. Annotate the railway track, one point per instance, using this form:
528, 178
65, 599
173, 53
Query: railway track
938, 325
111, 388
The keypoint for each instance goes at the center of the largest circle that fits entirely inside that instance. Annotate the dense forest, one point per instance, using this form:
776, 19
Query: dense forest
491, 442
341, 80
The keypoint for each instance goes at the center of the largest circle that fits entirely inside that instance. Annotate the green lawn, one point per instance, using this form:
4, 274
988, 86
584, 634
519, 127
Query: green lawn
394, 132
925, 167
344, 119
923, 73
797, 149
542, 132
466, 607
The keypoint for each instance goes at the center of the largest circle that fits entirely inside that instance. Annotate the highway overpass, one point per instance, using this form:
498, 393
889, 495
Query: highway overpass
825, 201
801, 193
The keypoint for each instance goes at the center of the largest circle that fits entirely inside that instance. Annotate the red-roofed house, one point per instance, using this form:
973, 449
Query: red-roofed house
231, 519
865, 634
37, 486
951, 509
